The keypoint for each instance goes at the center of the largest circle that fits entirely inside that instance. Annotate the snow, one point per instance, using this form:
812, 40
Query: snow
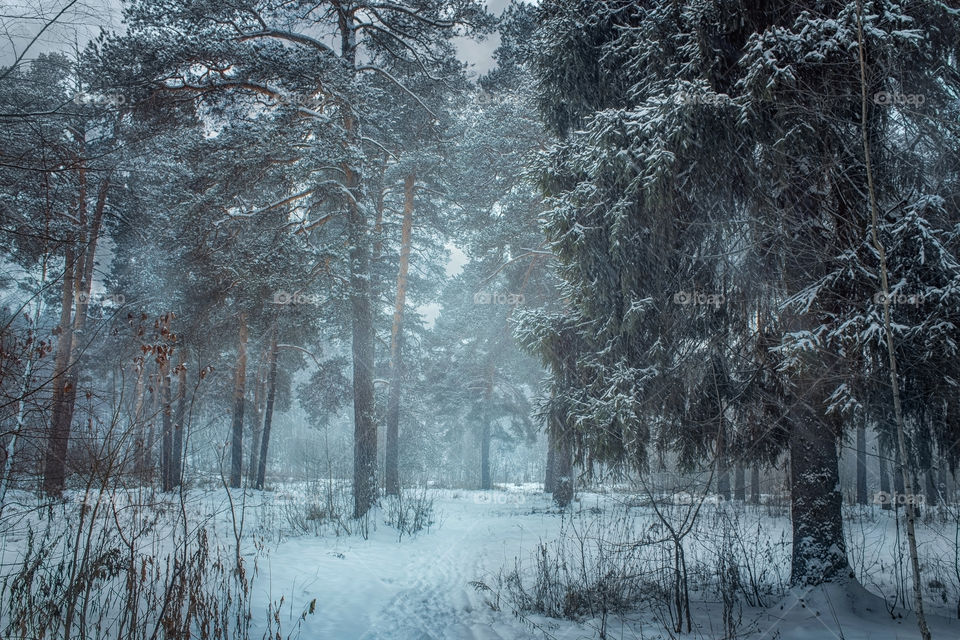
387, 586
420, 588
417, 588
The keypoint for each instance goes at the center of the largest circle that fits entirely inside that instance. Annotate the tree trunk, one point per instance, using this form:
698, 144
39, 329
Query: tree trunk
268, 412
861, 464
898, 485
166, 436
139, 438
884, 479
549, 480
930, 464
176, 461
239, 391
82, 282
392, 449
723, 470
755, 484
11, 447
485, 429
485, 483
891, 350
930, 487
739, 486
563, 468
54, 471
256, 432
942, 486
819, 550
365, 426
723, 481
361, 303
148, 470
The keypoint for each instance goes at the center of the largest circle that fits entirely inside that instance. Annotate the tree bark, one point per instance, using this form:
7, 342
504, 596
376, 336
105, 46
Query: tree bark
563, 488
942, 486
861, 464
139, 438
485, 482
392, 448
361, 304
485, 428
166, 435
739, 483
176, 461
549, 480
891, 350
755, 484
239, 391
898, 485
83, 284
148, 450
54, 471
723, 470
819, 550
884, 478
930, 487
268, 411
256, 432
723, 481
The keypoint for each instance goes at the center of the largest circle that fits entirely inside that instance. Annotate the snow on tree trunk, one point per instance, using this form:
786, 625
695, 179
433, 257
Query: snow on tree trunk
365, 426
819, 551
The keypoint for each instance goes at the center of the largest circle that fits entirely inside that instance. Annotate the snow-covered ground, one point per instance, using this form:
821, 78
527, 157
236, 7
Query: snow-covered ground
388, 586
420, 588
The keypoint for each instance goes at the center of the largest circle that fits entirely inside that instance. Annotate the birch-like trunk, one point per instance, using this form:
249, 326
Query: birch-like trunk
891, 350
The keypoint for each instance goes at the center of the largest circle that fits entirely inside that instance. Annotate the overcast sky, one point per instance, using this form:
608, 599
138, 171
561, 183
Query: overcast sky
20, 20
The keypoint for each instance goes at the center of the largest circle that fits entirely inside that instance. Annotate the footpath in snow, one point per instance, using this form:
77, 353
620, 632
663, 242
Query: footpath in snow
420, 587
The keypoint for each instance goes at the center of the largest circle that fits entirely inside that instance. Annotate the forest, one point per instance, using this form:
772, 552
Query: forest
479, 319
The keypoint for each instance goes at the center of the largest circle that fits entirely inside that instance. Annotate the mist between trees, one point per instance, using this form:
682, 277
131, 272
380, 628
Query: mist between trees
711, 282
